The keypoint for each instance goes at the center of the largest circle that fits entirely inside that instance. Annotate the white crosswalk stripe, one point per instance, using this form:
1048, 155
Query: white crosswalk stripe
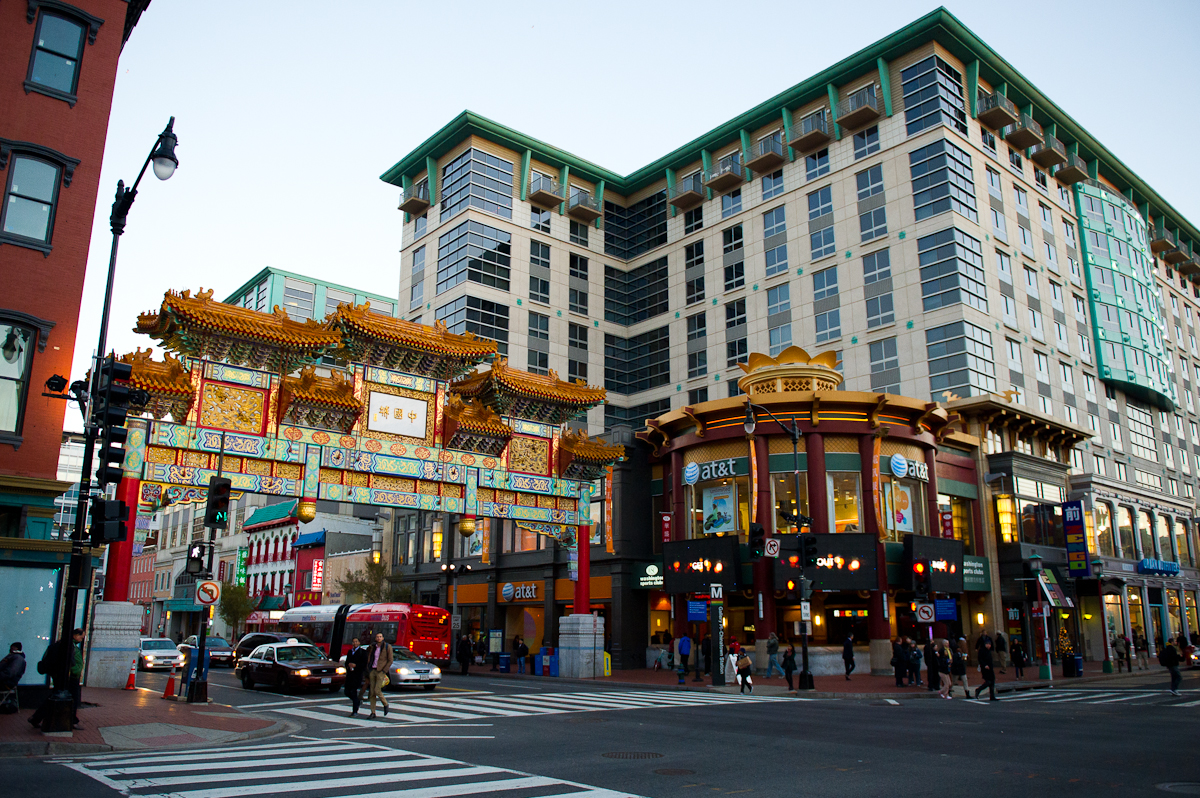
338, 768
493, 706
1095, 696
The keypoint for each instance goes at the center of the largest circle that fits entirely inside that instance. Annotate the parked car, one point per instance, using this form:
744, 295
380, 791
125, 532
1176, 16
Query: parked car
253, 640
290, 666
219, 652
409, 670
158, 652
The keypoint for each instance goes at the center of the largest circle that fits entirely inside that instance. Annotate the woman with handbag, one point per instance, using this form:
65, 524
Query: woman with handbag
743, 671
943, 669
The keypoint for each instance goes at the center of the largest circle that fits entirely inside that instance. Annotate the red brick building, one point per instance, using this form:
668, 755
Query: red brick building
58, 67
141, 584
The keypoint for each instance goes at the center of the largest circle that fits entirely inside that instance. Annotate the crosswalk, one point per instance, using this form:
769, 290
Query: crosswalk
335, 768
1100, 697
485, 705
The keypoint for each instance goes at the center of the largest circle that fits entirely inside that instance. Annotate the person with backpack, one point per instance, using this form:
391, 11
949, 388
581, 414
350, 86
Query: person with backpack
1168, 657
63, 663
773, 655
1141, 647
1121, 651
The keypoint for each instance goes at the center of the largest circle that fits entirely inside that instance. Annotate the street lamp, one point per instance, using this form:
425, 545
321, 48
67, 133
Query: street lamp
1098, 570
805, 679
165, 161
453, 569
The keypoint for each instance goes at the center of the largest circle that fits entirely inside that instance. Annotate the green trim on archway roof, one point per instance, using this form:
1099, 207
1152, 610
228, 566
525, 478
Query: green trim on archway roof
939, 25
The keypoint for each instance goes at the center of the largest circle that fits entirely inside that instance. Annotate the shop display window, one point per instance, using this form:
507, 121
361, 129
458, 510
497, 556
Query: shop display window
783, 488
1102, 517
962, 519
844, 501
1125, 532
720, 507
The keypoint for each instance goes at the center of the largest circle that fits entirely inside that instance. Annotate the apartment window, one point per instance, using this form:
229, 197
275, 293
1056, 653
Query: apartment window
694, 290
539, 289
828, 325
31, 197
933, 95
1031, 283
693, 220
942, 181
774, 222
731, 238
697, 326
876, 266
1101, 465
417, 292
1022, 199
870, 182
1068, 377
636, 295
816, 164
736, 390
820, 207
951, 270
779, 299
731, 203
999, 224
697, 364
18, 342
825, 284
577, 301
484, 318
780, 338
578, 266
1039, 178
1047, 216
872, 224
579, 233
1014, 354
477, 179
577, 370
1069, 234
960, 360
538, 362
736, 351
993, 181
636, 364
57, 51
866, 142
885, 366
776, 260
539, 326
1014, 159
539, 219
1060, 336
772, 184
475, 252
735, 275
577, 335
1004, 266
1025, 238
1035, 325
1141, 432
820, 202
989, 141
698, 395
735, 313
880, 310
1008, 308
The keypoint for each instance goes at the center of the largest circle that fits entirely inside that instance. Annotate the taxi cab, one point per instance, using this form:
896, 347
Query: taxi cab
290, 665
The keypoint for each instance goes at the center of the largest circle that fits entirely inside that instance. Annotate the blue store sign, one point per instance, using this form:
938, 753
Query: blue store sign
1158, 567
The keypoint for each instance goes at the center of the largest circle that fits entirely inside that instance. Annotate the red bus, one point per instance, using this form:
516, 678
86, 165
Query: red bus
421, 629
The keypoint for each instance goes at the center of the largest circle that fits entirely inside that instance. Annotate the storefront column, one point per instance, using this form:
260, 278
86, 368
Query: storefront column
878, 627
1125, 622
1184, 627
1147, 621
764, 569
932, 518
680, 521
818, 499
869, 509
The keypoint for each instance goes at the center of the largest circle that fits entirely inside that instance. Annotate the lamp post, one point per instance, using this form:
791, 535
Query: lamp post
164, 160
1098, 570
805, 679
1045, 671
452, 570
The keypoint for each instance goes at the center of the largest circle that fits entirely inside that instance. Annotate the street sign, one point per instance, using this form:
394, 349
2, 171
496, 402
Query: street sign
926, 612
456, 622
947, 609
771, 548
717, 592
806, 610
208, 592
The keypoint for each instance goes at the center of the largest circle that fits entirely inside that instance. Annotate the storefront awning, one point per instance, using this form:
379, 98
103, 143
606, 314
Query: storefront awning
182, 605
310, 539
271, 603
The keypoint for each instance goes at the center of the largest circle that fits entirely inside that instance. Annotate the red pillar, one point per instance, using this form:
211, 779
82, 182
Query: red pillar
931, 494
583, 588
120, 554
764, 569
818, 501
680, 519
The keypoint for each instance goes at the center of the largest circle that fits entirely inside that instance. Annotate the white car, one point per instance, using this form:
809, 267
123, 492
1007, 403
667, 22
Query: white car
409, 670
158, 652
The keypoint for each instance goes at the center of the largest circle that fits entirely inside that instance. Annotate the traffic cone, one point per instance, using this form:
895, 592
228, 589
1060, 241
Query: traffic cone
170, 691
131, 682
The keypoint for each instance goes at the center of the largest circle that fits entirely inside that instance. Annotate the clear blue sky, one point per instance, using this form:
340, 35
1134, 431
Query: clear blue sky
288, 112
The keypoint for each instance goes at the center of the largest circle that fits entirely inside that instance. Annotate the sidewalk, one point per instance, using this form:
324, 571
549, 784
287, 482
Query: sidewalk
132, 719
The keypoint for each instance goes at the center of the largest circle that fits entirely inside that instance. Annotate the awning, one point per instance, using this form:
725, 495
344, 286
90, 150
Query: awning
182, 605
310, 539
271, 603
272, 515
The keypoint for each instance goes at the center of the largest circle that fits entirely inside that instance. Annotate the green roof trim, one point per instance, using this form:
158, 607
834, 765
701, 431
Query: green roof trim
236, 296
939, 25
272, 513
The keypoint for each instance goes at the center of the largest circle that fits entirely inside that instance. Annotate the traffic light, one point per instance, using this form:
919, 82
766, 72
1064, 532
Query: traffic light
758, 541
111, 413
808, 550
108, 521
920, 577
216, 510
195, 558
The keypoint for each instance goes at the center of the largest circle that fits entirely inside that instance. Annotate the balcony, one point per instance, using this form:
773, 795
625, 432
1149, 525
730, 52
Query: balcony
1024, 133
545, 191
1049, 153
766, 155
415, 199
583, 207
1161, 240
858, 109
1175, 255
997, 112
726, 175
1072, 171
811, 133
688, 192
1189, 267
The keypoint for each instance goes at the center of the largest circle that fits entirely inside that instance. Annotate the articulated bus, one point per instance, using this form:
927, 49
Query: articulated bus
423, 630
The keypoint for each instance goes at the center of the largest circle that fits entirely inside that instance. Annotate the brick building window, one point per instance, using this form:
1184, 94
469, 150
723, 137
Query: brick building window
58, 48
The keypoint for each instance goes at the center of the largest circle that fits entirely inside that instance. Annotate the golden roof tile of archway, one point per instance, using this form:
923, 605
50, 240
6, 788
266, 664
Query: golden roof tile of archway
537, 397
474, 417
593, 450
167, 384
387, 342
200, 327
332, 391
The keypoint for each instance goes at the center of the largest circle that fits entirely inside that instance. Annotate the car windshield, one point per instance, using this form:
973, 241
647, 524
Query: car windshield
400, 652
216, 641
294, 653
157, 645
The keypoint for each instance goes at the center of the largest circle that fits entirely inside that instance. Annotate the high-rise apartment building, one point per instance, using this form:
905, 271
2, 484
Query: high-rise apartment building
921, 209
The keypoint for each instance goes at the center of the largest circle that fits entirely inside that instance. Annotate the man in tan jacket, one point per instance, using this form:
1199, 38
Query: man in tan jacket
379, 663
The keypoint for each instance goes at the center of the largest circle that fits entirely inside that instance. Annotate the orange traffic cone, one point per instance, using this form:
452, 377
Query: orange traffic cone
170, 691
131, 682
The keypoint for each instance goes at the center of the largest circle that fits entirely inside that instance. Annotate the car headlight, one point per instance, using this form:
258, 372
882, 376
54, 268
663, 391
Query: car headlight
148, 656
404, 672
304, 672
340, 670
437, 671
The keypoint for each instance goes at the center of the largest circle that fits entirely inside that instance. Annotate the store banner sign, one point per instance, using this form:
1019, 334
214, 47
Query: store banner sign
720, 509
608, 511
903, 468
899, 502
845, 561
876, 490
1075, 532
239, 573
664, 522
977, 575
648, 575
318, 574
716, 469
697, 611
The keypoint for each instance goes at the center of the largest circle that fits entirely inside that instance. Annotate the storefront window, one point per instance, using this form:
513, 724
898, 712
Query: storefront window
903, 508
1137, 618
1145, 533
719, 507
1187, 557
843, 487
1173, 612
1006, 518
783, 487
1189, 600
516, 538
1164, 538
1041, 524
961, 519
1112, 617
1104, 531
1125, 532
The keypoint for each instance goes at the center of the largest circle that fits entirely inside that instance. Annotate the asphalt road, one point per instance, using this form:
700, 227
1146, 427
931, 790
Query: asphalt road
526, 739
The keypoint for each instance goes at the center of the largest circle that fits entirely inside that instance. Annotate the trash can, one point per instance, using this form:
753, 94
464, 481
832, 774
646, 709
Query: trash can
1078, 664
553, 664
537, 665
505, 663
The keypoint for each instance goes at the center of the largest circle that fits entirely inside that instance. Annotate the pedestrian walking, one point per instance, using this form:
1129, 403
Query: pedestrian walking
1121, 650
899, 660
706, 654
983, 640
789, 665
685, 651
958, 668
1001, 651
943, 670
1142, 647
929, 654
379, 659
63, 663
914, 664
773, 655
988, 670
356, 673
847, 656
744, 670
1018, 659
521, 652
1169, 658
463, 654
